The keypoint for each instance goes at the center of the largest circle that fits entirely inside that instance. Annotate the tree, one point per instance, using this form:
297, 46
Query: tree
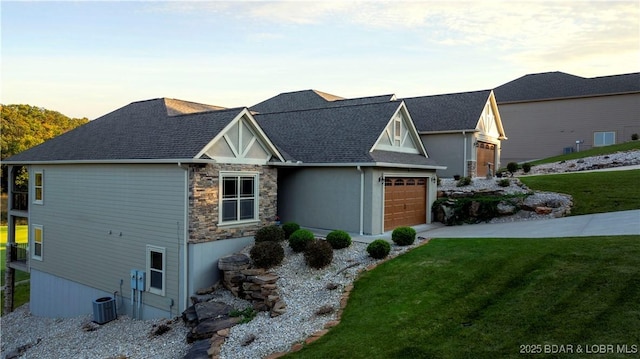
25, 126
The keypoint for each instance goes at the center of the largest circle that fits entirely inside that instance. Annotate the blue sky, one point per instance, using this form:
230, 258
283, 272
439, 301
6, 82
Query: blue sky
88, 58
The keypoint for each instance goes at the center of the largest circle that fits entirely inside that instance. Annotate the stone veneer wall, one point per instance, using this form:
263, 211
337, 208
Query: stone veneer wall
471, 168
203, 202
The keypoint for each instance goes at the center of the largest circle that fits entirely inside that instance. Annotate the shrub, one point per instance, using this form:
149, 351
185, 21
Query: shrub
299, 239
456, 177
270, 234
526, 167
505, 182
318, 254
339, 239
403, 236
289, 228
634, 137
379, 248
512, 167
267, 254
464, 181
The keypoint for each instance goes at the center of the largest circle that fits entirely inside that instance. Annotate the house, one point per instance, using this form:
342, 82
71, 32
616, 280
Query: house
163, 188
551, 113
463, 131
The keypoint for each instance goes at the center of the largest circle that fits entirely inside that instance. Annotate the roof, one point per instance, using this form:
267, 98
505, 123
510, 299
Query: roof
147, 130
556, 85
291, 101
449, 112
342, 134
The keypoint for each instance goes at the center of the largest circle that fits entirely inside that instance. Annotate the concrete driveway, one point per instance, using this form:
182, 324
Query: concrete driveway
612, 223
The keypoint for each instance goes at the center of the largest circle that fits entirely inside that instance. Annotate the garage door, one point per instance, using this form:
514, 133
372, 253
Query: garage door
486, 154
405, 202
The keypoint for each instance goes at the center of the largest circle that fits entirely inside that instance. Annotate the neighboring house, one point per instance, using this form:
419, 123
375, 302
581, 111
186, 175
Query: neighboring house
166, 187
462, 131
552, 113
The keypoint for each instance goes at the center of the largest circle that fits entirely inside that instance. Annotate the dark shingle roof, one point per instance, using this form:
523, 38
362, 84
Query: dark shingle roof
556, 85
329, 135
450, 112
293, 101
140, 130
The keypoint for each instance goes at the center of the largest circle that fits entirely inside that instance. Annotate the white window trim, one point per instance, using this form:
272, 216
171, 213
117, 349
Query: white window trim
41, 200
604, 133
35, 227
256, 191
150, 289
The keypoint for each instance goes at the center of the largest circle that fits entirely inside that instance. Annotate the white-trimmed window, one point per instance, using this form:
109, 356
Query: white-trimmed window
238, 197
156, 270
38, 187
38, 241
397, 131
604, 138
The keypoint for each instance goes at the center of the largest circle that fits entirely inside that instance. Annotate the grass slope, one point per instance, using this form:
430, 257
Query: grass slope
593, 192
485, 298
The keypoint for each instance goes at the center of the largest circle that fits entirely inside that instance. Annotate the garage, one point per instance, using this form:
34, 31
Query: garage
486, 154
405, 202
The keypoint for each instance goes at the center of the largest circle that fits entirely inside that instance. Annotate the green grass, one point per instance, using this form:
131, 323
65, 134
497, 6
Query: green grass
595, 151
593, 192
21, 296
22, 233
484, 298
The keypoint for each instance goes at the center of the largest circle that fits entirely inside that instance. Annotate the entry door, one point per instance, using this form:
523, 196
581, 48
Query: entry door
405, 202
486, 153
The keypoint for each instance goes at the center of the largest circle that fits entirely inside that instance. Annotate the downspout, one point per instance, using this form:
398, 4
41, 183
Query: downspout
361, 199
185, 270
464, 154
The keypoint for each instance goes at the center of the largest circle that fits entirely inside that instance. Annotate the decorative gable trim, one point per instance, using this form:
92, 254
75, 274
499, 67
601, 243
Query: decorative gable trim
490, 122
242, 141
400, 134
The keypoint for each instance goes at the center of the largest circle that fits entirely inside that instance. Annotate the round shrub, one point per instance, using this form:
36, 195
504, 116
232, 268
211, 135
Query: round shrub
267, 254
379, 248
299, 239
403, 236
526, 167
270, 234
464, 181
339, 239
318, 254
505, 182
289, 228
512, 167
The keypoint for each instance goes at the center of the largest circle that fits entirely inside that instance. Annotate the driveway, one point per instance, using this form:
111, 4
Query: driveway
601, 224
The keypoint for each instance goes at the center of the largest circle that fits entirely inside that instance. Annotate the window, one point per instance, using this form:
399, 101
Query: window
604, 138
156, 269
38, 187
37, 242
239, 197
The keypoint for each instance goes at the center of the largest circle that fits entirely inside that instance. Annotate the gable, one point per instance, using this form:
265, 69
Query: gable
399, 135
489, 123
242, 141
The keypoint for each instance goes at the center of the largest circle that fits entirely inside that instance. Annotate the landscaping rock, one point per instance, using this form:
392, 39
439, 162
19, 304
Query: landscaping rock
207, 328
209, 310
199, 350
234, 262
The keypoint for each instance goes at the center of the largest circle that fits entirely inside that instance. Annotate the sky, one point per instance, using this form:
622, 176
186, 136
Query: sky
88, 58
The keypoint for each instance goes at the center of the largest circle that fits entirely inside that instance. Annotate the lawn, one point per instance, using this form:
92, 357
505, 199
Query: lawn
22, 233
593, 192
595, 151
488, 298
22, 290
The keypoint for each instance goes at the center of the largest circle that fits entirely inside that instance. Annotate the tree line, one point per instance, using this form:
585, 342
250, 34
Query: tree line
26, 126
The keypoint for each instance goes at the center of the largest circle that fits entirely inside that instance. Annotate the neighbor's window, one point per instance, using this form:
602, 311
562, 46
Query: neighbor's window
37, 242
604, 138
239, 197
156, 269
38, 187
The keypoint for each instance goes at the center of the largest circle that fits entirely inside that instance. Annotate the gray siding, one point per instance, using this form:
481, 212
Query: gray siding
543, 129
449, 150
325, 198
98, 220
